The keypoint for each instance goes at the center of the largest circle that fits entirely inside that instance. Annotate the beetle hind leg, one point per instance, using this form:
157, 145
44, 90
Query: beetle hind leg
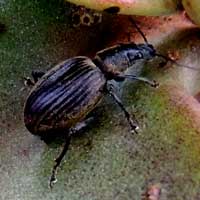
79, 126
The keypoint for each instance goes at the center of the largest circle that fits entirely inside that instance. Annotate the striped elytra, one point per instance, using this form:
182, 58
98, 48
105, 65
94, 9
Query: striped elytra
64, 96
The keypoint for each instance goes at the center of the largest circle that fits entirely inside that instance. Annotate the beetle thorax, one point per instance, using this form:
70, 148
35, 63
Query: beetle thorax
119, 58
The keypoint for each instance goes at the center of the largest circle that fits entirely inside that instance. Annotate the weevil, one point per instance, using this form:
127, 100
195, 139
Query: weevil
61, 98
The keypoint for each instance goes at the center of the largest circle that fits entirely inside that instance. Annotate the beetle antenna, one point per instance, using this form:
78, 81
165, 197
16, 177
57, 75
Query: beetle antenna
176, 63
138, 29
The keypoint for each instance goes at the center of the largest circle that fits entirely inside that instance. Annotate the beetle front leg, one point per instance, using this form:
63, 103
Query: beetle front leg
131, 120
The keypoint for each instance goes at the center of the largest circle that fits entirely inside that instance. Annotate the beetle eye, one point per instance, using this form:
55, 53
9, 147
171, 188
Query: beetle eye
134, 56
138, 55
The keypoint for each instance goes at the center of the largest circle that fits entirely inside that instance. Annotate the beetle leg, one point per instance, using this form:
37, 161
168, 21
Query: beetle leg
152, 83
58, 160
132, 121
37, 75
28, 82
79, 126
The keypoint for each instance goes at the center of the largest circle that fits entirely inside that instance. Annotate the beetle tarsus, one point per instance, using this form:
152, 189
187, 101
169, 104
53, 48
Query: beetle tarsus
53, 179
134, 127
154, 84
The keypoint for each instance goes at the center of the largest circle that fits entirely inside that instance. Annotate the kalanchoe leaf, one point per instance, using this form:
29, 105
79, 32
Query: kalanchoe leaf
132, 7
192, 8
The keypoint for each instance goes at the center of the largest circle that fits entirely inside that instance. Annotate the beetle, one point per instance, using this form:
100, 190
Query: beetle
66, 94
61, 98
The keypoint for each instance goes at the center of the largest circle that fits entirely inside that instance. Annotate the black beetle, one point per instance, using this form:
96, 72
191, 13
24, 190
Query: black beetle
68, 92
62, 98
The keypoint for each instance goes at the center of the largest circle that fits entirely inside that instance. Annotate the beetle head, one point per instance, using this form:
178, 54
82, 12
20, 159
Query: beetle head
147, 50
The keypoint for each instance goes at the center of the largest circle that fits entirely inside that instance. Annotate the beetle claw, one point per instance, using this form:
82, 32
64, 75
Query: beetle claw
135, 129
155, 84
53, 180
134, 126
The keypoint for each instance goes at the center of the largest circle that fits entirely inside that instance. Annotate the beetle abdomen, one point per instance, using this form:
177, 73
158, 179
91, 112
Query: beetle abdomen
64, 95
